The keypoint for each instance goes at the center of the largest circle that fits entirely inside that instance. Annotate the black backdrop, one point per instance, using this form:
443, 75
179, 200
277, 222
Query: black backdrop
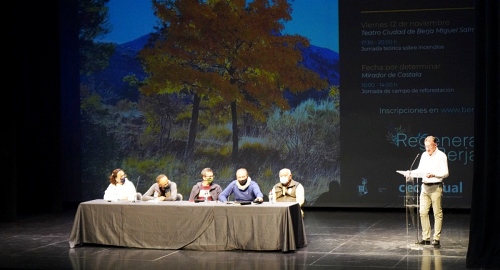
40, 138
389, 61
484, 246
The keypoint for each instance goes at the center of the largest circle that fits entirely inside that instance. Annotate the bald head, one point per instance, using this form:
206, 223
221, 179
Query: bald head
285, 172
242, 176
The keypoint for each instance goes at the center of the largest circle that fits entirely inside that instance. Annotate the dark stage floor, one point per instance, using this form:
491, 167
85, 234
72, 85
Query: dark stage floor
337, 239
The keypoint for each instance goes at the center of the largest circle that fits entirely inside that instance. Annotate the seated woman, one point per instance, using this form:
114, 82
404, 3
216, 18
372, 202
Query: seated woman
120, 188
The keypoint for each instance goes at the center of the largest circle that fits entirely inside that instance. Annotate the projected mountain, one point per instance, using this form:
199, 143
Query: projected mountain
124, 62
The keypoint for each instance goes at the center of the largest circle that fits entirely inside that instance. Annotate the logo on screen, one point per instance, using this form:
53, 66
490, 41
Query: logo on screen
363, 189
458, 149
447, 188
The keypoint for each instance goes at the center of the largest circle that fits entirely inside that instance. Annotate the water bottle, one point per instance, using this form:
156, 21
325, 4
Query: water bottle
271, 196
156, 196
205, 196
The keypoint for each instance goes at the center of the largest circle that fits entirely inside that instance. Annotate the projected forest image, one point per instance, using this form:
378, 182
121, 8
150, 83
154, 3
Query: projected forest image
217, 83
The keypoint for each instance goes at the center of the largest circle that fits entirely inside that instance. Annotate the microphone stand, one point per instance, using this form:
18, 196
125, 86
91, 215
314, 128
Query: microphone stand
412, 203
136, 186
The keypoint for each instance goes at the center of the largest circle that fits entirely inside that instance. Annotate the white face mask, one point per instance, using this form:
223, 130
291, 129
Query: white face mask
284, 179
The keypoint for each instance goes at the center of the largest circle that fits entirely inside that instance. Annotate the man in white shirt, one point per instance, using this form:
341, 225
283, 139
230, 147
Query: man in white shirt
433, 168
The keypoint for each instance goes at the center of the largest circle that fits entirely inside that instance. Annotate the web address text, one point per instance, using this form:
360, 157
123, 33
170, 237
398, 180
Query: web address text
416, 110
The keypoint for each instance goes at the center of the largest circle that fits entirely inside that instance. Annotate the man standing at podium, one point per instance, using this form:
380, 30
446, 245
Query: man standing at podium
433, 167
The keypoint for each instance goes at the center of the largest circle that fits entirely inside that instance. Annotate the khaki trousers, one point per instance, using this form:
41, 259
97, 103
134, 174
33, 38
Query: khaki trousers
431, 196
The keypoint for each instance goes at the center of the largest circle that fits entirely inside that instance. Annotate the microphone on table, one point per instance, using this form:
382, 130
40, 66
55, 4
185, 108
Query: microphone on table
138, 179
136, 186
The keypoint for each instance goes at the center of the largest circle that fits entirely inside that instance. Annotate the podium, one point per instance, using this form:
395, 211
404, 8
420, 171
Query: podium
412, 206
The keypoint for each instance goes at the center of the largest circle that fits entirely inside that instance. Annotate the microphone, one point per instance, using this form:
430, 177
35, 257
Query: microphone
414, 161
136, 186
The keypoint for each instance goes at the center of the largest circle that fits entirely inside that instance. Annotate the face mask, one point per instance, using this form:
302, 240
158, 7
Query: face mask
210, 179
284, 180
242, 182
123, 179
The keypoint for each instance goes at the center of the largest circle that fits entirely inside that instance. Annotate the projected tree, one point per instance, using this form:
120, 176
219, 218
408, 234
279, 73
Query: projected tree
229, 52
93, 18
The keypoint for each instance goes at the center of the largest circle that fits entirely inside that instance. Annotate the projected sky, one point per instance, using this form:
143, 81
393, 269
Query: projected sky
317, 20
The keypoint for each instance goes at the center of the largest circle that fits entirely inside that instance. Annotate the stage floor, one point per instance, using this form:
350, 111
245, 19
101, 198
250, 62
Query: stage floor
337, 239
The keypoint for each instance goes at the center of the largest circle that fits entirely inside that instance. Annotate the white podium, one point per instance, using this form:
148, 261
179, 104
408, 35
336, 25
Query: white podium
412, 205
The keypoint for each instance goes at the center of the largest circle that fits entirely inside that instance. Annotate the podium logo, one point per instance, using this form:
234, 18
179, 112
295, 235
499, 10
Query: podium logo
458, 188
363, 189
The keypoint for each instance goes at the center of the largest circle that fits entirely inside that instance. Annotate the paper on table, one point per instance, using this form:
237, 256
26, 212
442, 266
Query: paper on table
414, 174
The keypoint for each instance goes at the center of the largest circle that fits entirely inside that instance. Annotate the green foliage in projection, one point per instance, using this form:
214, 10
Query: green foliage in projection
307, 136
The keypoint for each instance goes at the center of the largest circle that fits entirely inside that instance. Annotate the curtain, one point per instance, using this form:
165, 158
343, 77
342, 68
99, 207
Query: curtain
484, 235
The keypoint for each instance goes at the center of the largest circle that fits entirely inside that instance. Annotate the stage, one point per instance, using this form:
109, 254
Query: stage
336, 238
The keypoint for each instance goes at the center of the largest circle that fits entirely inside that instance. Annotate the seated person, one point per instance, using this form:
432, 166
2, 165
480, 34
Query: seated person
120, 188
167, 190
243, 188
206, 188
289, 190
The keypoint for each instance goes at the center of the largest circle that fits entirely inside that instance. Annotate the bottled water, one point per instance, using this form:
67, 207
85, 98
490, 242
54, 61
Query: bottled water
205, 196
271, 196
156, 196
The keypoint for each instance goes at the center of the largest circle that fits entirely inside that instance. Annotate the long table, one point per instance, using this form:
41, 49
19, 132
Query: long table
188, 225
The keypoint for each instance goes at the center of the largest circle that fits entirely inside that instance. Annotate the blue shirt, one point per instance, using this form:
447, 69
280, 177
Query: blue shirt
249, 194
